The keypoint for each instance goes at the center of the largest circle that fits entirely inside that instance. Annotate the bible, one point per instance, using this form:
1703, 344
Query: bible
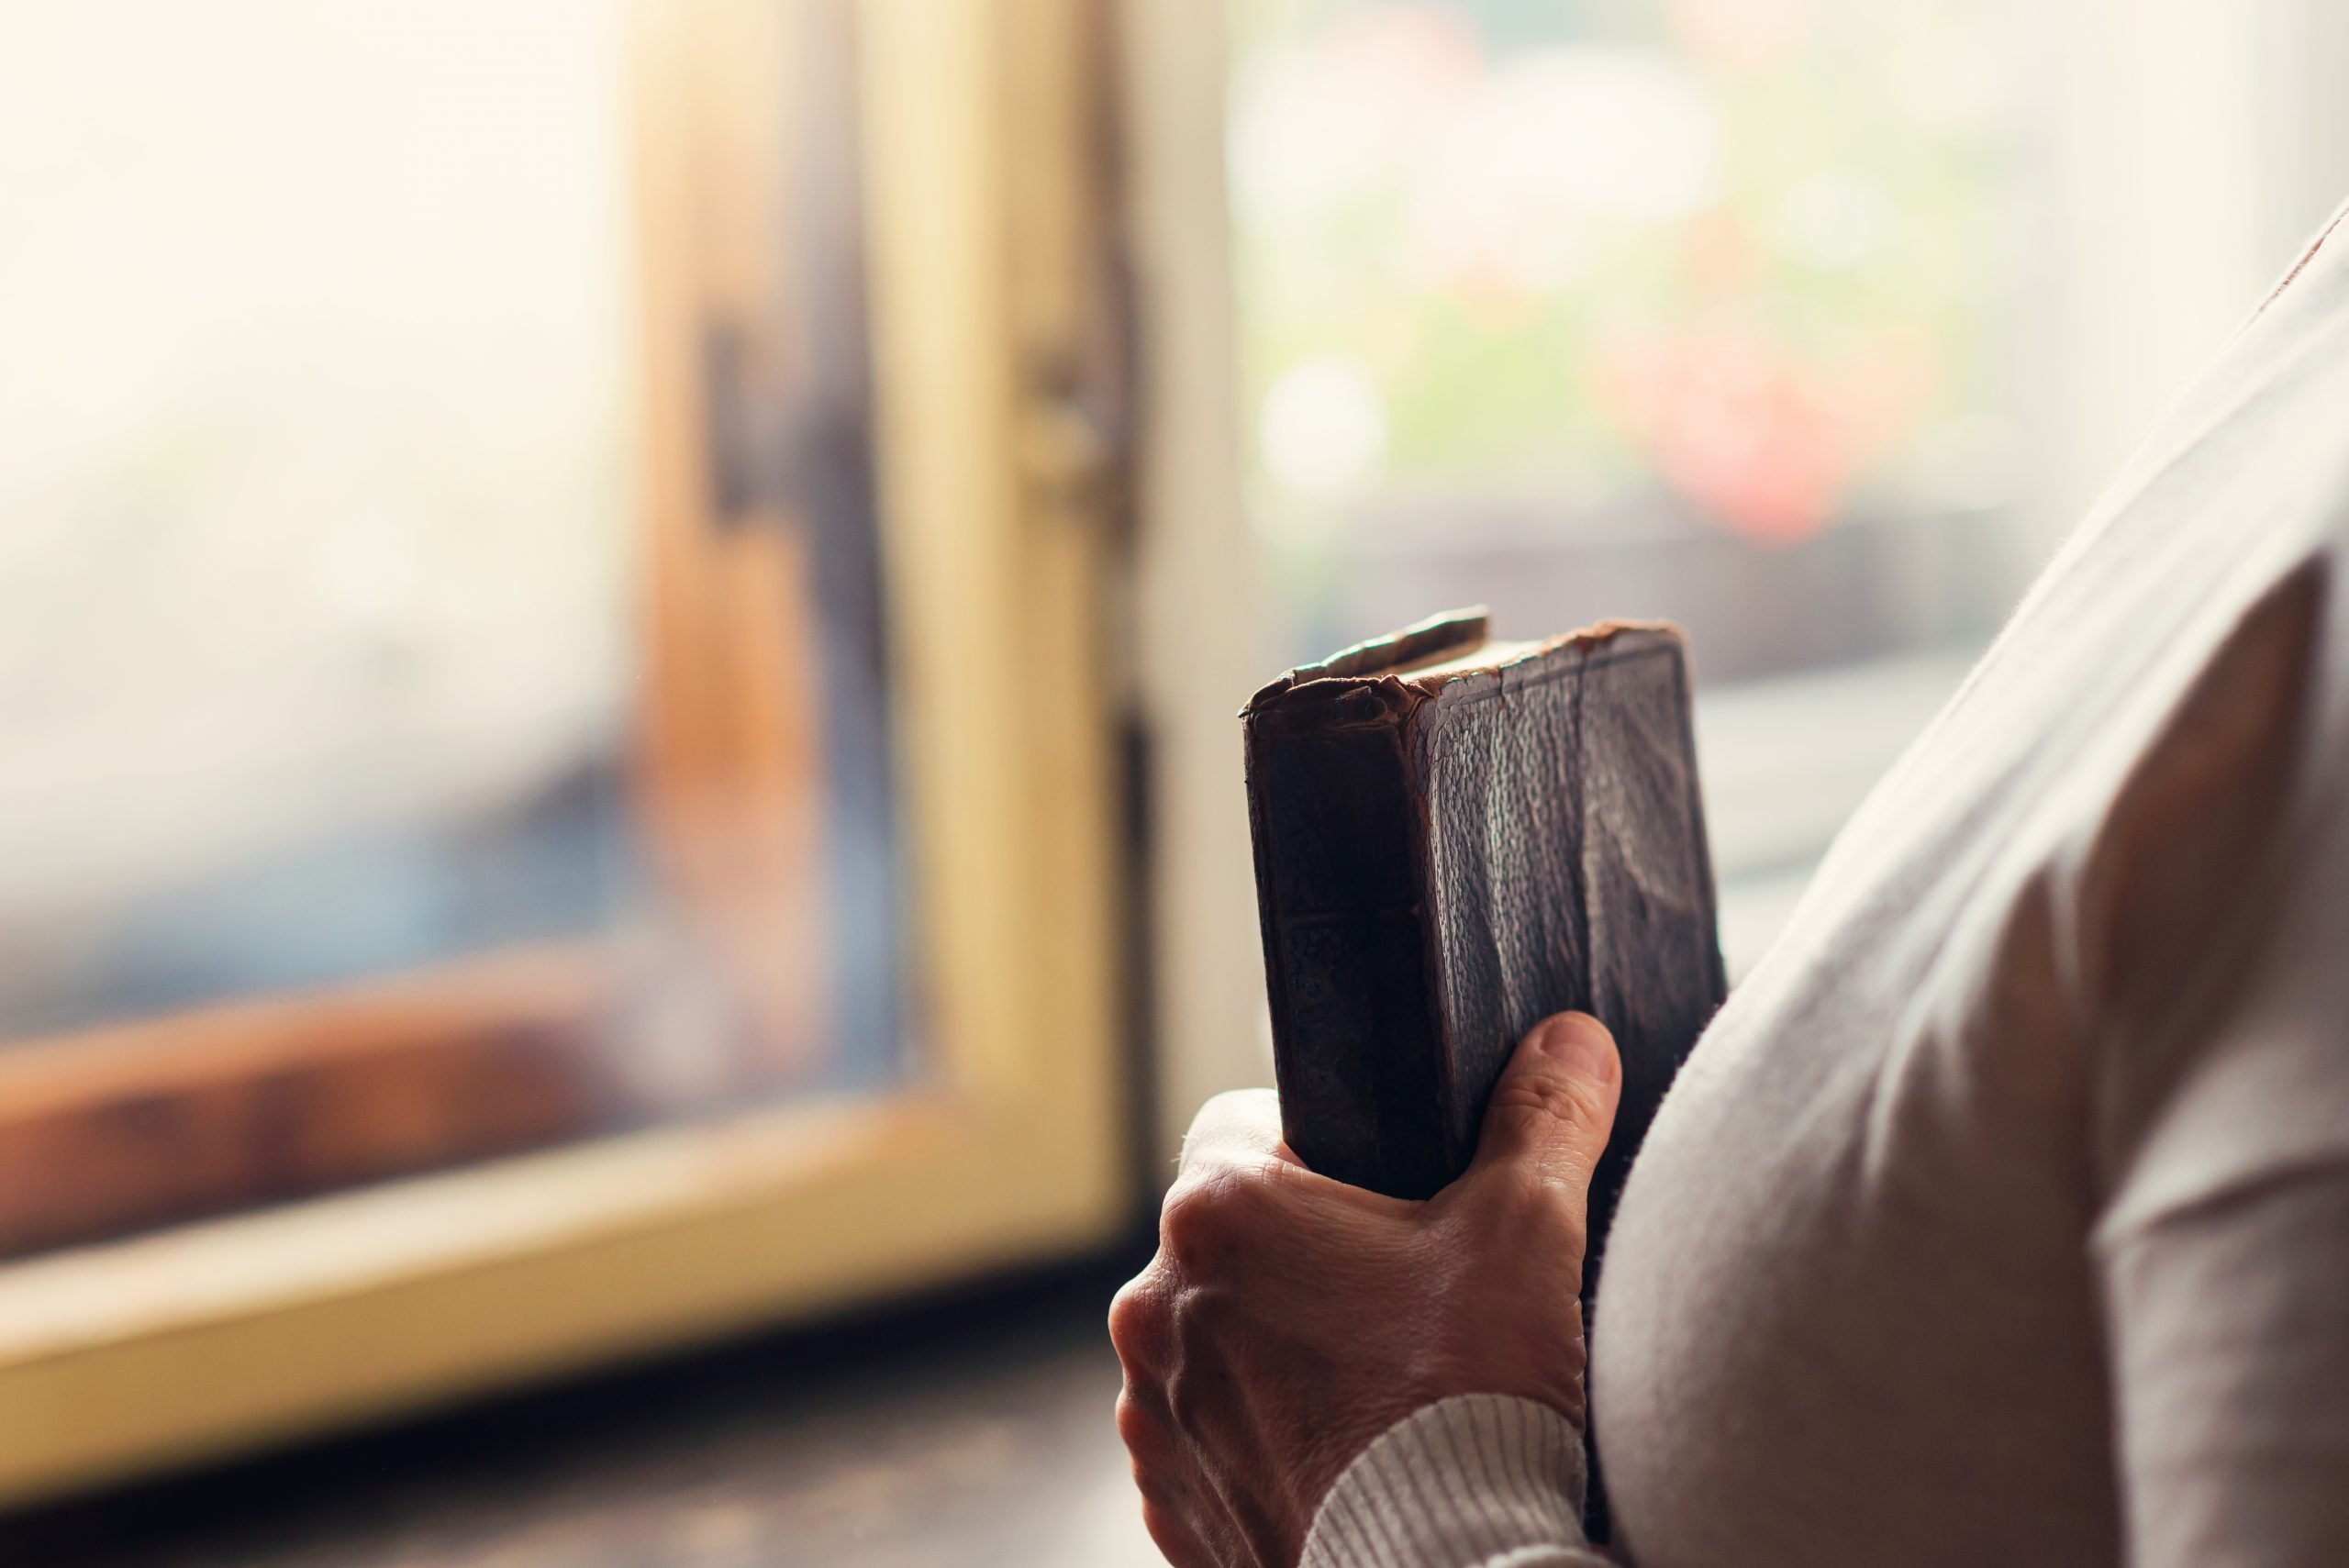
1454, 839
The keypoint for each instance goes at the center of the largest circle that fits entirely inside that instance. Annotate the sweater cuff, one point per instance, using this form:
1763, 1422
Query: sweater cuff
1475, 1482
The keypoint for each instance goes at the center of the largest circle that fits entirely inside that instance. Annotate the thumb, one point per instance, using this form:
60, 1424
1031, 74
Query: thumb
1554, 1104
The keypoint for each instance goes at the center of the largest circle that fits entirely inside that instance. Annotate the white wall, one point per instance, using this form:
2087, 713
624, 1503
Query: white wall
2190, 147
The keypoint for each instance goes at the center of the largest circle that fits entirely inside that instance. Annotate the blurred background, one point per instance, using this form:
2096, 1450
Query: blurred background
621, 847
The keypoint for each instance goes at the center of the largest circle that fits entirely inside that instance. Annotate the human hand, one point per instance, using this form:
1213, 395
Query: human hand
1289, 1320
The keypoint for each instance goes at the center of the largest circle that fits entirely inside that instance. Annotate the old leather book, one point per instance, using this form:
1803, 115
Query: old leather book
1456, 838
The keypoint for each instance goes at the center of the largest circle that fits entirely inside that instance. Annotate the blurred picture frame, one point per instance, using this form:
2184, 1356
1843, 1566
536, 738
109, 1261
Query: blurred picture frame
293, 1300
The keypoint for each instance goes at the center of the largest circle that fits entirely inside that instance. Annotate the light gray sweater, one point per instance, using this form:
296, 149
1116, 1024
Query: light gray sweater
2002, 1217
1482, 1481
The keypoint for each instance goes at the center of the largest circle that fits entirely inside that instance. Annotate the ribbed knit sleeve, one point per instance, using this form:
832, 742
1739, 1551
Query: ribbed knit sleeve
1482, 1481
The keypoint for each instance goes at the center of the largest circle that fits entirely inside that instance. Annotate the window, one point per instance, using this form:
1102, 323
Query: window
546, 707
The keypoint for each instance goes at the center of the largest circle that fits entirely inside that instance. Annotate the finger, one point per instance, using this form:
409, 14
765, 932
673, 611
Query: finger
1173, 1535
1138, 1330
1554, 1104
1171, 1486
1237, 1127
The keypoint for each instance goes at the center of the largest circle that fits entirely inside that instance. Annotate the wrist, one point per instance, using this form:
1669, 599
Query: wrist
1461, 1481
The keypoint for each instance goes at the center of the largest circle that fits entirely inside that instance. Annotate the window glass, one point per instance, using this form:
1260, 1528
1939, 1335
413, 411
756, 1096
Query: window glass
314, 624
1692, 308
441, 708
1698, 310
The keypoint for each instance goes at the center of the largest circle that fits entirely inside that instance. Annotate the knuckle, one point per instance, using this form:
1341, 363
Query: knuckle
1136, 1322
1191, 1225
1125, 1329
1209, 1218
1137, 1426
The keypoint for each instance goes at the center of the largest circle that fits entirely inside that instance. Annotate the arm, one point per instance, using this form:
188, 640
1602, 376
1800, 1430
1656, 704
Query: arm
2222, 1105
2224, 1252
2231, 1343
1314, 1372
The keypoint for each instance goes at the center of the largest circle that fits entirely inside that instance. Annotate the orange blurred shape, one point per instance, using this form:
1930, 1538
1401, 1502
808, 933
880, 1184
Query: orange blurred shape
1761, 436
1740, 35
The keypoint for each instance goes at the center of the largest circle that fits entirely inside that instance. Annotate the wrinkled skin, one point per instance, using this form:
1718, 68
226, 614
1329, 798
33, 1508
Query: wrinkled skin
1288, 1319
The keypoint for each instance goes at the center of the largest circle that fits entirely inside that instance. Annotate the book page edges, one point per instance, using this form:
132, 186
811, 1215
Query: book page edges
1421, 659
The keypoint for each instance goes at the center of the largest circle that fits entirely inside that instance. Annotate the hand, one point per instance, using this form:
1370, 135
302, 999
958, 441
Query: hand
1288, 1319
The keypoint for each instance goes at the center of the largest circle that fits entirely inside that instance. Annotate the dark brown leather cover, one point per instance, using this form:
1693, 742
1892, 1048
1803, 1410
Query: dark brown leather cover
1443, 863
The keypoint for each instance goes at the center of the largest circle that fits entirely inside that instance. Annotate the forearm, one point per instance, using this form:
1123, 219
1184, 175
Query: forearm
1480, 1481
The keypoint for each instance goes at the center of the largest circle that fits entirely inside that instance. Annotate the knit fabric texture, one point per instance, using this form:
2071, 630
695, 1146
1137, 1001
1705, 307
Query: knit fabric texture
1481, 1481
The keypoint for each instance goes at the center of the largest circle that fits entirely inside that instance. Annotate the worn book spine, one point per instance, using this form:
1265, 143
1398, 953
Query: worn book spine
1342, 854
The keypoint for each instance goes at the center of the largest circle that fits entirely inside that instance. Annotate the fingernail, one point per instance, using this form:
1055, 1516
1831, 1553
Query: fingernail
1577, 1042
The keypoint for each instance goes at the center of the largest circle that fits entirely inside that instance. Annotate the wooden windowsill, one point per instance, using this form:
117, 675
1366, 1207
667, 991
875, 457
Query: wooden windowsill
171, 1348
